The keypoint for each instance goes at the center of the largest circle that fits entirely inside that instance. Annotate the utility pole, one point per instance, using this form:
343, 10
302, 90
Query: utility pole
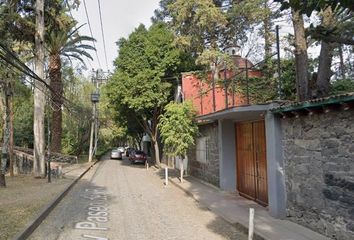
213, 73
98, 78
92, 128
39, 96
278, 63
225, 87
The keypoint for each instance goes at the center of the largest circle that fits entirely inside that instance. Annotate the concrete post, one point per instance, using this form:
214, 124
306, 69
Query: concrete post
227, 153
275, 167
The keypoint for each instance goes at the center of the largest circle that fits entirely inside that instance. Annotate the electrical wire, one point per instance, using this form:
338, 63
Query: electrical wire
68, 5
104, 41
88, 21
24, 69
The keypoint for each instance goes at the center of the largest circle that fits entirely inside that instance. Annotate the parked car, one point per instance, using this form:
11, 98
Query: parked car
137, 156
128, 151
116, 154
121, 149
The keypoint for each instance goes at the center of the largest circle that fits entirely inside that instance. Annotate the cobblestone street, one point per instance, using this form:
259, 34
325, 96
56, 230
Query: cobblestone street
117, 200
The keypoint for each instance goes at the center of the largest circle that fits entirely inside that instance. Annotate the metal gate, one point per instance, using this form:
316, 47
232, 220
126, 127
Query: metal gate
251, 161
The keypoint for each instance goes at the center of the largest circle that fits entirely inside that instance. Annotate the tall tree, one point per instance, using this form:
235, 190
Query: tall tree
301, 58
324, 72
39, 95
336, 28
75, 137
139, 83
65, 42
6, 131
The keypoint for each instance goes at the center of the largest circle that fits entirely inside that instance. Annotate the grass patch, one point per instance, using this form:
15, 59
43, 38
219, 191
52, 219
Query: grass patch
83, 158
23, 199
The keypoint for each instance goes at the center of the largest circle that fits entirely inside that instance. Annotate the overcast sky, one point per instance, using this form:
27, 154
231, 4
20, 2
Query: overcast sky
120, 17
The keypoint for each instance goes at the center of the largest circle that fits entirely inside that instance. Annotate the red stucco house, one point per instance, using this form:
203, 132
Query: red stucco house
201, 92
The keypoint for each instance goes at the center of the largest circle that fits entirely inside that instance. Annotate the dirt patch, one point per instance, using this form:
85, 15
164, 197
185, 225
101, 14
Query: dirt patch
23, 199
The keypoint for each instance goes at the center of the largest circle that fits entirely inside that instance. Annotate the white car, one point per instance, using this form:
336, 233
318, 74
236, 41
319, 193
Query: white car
121, 149
116, 154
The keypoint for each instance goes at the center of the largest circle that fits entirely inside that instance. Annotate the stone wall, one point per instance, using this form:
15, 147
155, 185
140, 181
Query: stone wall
318, 155
208, 171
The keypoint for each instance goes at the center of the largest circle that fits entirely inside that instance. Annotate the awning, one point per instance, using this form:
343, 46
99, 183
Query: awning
240, 113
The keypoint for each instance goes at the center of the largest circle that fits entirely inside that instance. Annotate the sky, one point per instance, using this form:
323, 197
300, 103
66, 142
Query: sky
119, 17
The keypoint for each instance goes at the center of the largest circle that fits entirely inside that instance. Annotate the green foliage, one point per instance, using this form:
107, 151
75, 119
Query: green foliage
143, 81
68, 43
307, 7
260, 90
197, 23
77, 121
144, 59
138, 88
114, 126
23, 115
178, 128
17, 18
263, 89
288, 79
342, 86
207, 27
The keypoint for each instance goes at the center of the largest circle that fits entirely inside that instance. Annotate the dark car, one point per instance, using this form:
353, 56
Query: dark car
128, 151
137, 156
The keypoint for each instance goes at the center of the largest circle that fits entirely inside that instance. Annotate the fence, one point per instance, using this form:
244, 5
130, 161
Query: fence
23, 159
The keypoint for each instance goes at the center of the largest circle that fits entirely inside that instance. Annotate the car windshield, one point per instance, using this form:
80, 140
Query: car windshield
139, 152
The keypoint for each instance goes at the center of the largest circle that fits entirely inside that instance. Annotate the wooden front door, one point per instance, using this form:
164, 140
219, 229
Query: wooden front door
251, 161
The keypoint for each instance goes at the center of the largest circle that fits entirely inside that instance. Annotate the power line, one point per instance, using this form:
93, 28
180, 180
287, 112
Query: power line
104, 41
9, 57
88, 21
68, 5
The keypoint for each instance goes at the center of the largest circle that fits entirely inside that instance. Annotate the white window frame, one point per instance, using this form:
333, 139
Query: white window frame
202, 149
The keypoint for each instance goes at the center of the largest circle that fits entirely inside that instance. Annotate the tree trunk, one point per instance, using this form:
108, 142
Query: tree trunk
57, 85
13, 165
157, 152
39, 96
301, 59
181, 168
267, 41
6, 138
341, 61
325, 60
324, 72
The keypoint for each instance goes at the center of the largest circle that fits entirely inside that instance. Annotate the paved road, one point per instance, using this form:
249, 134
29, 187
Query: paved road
117, 200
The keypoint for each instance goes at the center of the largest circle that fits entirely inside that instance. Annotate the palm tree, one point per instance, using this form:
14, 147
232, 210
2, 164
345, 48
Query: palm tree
61, 43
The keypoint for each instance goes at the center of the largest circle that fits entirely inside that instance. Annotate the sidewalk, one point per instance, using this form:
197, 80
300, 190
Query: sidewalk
235, 209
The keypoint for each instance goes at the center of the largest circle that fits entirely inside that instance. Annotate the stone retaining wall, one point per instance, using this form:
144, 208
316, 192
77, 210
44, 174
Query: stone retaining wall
318, 154
207, 171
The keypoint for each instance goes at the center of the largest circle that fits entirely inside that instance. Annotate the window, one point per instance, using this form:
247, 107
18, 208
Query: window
202, 149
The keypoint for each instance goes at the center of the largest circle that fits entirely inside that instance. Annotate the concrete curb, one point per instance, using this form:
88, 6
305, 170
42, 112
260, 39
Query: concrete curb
30, 227
237, 225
